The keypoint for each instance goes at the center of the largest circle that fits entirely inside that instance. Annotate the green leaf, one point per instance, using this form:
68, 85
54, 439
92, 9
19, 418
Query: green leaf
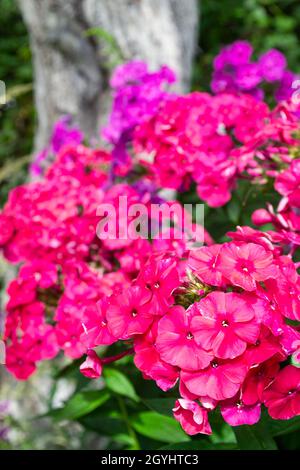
107, 38
163, 406
69, 369
256, 437
233, 210
199, 445
80, 404
279, 427
124, 439
104, 424
223, 435
159, 427
101, 33
118, 383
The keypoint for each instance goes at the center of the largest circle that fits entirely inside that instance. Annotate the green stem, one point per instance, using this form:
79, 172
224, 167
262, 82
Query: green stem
126, 420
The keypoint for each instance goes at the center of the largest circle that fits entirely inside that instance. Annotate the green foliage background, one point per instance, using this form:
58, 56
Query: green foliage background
17, 118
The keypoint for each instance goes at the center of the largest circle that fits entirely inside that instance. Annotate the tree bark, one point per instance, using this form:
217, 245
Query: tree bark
70, 67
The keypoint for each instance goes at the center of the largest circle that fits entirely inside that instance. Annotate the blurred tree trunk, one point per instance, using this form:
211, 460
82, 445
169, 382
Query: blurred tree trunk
71, 68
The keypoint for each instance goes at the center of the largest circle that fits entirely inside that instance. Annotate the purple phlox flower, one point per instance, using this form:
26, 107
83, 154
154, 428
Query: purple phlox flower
63, 133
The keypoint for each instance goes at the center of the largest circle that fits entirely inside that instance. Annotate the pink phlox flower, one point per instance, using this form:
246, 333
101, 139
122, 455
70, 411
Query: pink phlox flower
257, 380
96, 331
205, 263
192, 417
236, 413
246, 264
176, 343
131, 312
160, 276
224, 323
219, 381
282, 397
92, 366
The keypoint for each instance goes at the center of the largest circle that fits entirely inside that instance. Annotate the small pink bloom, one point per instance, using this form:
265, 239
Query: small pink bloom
148, 360
208, 403
267, 311
19, 361
44, 273
160, 277
257, 380
249, 235
68, 332
213, 189
6, 229
131, 258
44, 342
185, 393
176, 344
285, 294
296, 355
288, 181
261, 217
92, 366
282, 398
236, 413
192, 417
205, 263
220, 380
247, 263
290, 341
21, 292
95, 326
130, 312
266, 346
225, 324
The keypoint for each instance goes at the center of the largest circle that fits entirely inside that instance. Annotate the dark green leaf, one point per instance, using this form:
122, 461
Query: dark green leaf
104, 424
125, 439
80, 404
159, 427
118, 383
68, 369
279, 427
163, 406
223, 434
256, 437
233, 210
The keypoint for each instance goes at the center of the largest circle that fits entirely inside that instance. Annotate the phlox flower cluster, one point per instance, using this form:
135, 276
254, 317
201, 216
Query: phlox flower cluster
63, 133
218, 324
50, 226
199, 139
215, 141
234, 71
137, 95
273, 157
214, 323
286, 218
192, 139
273, 147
